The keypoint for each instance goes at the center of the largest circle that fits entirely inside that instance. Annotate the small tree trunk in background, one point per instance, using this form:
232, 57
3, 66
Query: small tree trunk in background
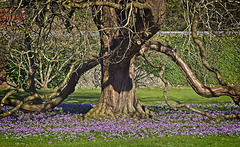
31, 70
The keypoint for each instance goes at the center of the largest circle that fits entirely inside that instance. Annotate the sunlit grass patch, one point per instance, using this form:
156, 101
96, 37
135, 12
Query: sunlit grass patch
151, 96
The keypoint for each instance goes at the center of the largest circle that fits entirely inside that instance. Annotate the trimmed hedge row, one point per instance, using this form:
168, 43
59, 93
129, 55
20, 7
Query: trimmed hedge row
222, 52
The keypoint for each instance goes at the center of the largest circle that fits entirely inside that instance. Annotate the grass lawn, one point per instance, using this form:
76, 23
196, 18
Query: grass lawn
151, 96
174, 141
148, 96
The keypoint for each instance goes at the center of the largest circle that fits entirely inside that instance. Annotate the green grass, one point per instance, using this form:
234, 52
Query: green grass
179, 141
148, 96
84, 96
178, 95
151, 96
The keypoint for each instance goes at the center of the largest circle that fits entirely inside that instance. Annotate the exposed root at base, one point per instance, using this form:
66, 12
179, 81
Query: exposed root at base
105, 113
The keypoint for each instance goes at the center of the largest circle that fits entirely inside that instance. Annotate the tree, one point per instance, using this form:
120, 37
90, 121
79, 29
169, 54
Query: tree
125, 28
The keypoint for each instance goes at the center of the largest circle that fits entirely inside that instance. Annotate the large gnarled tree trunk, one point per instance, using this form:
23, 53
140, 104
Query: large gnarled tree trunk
118, 96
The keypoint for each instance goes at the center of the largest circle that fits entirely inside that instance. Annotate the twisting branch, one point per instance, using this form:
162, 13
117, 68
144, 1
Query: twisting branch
202, 49
5, 114
198, 87
85, 4
71, 70
55, 98
9, 94
174, 107
166, 83
20, 103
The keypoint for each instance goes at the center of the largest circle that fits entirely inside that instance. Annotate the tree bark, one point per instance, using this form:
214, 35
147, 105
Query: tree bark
121, 45
118, 96
31, 71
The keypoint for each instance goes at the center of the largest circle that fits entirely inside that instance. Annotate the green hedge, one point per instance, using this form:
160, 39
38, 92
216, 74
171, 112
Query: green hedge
222, 52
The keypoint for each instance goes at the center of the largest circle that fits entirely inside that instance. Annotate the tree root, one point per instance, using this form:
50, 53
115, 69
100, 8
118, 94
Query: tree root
101, 111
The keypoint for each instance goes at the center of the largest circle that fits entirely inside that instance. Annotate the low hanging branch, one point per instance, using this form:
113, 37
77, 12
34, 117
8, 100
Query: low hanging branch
166, 83
86, 4
68, 75
19, 103
174, 107
55, 98
198, 87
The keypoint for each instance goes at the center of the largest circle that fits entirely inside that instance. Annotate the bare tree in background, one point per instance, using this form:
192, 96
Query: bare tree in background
125, 28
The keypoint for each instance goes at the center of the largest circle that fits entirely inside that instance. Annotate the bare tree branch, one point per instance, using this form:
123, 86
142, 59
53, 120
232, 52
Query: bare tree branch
85, 4
174, 107
55, 98
198, 87
202, 49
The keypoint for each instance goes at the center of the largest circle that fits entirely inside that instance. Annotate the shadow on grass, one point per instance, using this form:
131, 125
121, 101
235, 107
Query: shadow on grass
19, 96
83, 97
148, 96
